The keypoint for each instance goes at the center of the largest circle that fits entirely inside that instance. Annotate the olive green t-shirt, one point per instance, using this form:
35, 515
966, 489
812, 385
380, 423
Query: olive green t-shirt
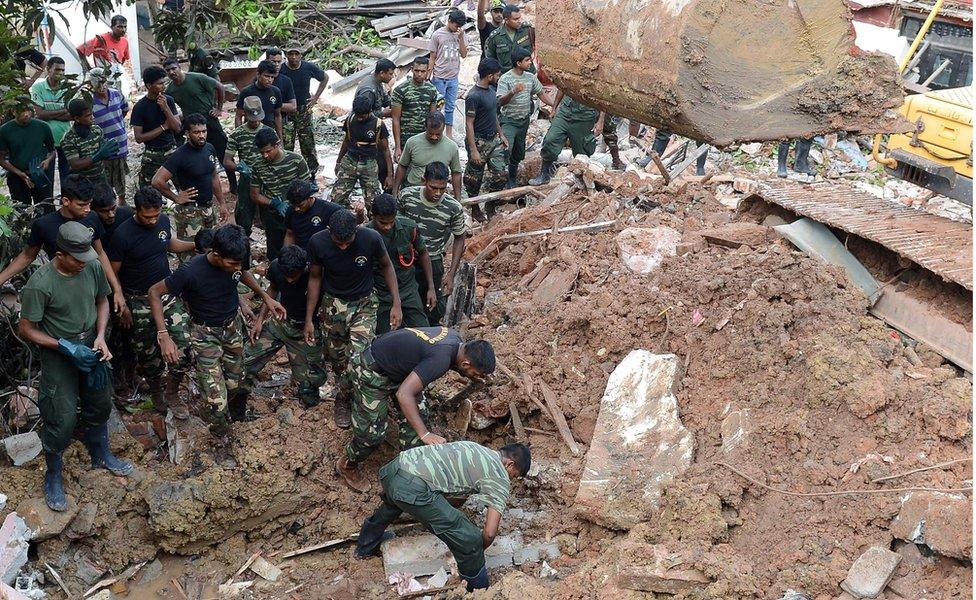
63, 306
418, 152
22, 144
194, 95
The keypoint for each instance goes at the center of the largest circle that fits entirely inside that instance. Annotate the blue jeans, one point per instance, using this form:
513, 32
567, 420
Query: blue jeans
449, 89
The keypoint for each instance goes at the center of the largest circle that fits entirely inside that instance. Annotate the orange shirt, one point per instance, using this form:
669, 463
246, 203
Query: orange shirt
106, 49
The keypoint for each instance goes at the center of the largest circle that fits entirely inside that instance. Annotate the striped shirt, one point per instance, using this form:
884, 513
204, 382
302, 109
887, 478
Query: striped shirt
110, 116
74, 147
460, 468
241, 143
437, 221
274, 178
520, 106
415, 102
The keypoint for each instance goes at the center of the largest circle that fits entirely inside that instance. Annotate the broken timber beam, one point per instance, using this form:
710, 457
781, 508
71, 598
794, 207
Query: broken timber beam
505, 194
559, 418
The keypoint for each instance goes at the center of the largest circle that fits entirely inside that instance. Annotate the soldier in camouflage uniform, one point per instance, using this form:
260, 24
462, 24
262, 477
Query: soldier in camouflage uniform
365, 135
416, 481
208, 285
341, 279
574, 122
485, 135
439, 217
406, 248
391, 374
84, 144
288, 277
300, 126
374, 89
138, 254
242, 157
273, 174
411, 102
155, 123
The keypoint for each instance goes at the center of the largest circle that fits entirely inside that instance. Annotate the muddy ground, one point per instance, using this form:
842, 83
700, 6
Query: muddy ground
824, 398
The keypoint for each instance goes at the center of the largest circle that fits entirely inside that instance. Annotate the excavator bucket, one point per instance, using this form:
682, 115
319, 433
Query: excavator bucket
721, 71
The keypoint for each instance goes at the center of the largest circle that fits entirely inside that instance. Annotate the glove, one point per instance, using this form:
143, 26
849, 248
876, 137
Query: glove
107, 149
81, 355
278, 205
99, 376
244, 170
37, 174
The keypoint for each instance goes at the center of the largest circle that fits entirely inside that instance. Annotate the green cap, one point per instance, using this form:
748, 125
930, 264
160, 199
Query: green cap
497, 4
76, 239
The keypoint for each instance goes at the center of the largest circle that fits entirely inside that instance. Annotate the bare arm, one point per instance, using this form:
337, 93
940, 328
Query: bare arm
428, 270
492, 520
258, 198
33, 334
51, 115
19, 263
406, 396
457, 251
318, 92
178, 246
473, 154
397, 112
278, 125
218, 192
166, 344
385, 149
482, 8
462, 43
389, 276
160, 181
276, 309
312, 301
342, 150
401, 173
101, 321
456, 184
220, 96
118, 299
144, 136
238, 117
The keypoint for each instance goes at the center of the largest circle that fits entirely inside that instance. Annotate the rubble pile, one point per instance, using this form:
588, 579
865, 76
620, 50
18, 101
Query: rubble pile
696, 391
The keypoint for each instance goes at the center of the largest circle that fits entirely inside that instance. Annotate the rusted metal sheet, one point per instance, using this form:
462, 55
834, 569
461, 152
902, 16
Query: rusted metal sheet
940, 245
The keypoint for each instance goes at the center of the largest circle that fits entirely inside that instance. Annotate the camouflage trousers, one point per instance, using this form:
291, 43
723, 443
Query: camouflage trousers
349, 172
300, 128
610, 124
347, 327
151, 161
412, 306
218, 354
190, 219
373, 399
144, 342
307, 363
493, 159
117, 172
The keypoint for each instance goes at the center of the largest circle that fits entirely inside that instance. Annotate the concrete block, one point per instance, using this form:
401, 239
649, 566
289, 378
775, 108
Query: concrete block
43, 522
639, 444
423, 555
643, 248
14, 536
654, 568
22, 448
871, 572
943, 522
417, 555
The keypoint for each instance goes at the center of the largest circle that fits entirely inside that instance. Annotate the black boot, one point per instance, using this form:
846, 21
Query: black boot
53, 485
219, 424
479, 581
237, 407
512, 176
802, 164
545, 174
96, 440
342, 411
781, 155
661, 139
371, 537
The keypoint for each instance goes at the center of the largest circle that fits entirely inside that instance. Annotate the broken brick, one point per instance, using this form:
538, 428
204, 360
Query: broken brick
871, 572
943, 522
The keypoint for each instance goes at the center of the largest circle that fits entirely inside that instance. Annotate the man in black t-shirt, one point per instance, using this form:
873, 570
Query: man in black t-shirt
289, 101
193, 168
299, 126
76, 198
208, 285
366, 137
485, 141
307, 214
271, 97
485, 27
288, 276
403, 363
155, 122
105, 204
341, 275
138, 253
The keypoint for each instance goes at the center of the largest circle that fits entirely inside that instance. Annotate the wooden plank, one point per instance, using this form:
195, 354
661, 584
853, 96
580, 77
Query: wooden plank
506, 194
516, 422
559, 418
660, 167
508, 373
418, 43
322, 546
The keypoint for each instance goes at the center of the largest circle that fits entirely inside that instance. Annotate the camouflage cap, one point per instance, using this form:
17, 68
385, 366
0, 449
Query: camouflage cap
253, 109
